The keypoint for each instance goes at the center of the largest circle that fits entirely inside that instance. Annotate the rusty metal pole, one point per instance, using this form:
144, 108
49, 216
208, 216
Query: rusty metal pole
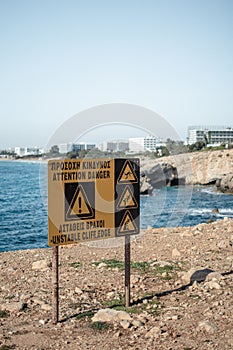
55, 282
127, 270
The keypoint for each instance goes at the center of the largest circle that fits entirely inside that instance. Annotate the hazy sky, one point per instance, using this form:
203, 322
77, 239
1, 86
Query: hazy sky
61, 57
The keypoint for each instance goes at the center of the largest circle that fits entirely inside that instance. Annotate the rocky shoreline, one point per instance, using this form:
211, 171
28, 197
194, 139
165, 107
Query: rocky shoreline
181, 294
197, 168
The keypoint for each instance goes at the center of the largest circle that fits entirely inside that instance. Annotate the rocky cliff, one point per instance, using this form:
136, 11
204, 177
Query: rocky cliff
196, 168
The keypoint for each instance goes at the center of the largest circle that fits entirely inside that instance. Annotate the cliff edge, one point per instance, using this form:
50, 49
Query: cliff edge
198, 168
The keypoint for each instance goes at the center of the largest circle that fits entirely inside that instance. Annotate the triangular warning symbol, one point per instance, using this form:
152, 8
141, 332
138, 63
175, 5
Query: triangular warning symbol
127, 225
127, 173
80, 207
127, 199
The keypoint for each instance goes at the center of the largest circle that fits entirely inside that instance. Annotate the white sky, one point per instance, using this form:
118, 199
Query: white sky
61, 57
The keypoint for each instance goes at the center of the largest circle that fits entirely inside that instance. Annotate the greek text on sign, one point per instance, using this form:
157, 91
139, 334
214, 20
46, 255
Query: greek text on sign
92, 199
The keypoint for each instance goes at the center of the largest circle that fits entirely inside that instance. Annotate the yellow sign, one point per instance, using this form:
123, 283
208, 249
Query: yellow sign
83, 204
127, 225
127, 173
127, 199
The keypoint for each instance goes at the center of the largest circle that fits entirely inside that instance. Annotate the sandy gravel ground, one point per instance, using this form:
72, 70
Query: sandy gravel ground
181, 293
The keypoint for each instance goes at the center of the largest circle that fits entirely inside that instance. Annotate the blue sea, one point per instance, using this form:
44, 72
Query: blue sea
23, 206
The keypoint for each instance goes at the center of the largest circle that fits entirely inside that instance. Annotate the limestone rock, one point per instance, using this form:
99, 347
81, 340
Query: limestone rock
40, 265
225, 185
137, 323
46, 307
43, 304
78, 290
198, 275
225, 243
111, 315
213, 285
175, 253
214, 276
193, 168
101, 265
125, 324
13, 307
153, 332
160, 175
207, 326
145, 186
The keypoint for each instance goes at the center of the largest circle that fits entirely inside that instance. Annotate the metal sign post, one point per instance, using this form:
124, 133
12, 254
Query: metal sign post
55, 281
127, 271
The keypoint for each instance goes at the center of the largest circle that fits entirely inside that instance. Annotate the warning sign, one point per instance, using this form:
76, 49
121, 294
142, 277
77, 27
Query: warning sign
79, 207
127, 173
127, 225
92, 199
127, 199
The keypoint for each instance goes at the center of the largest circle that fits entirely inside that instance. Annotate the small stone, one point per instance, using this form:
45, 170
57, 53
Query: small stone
137, 323
153, 333
214, 276
38, 301
142, 319
175, 253
12, 307
111, 315
160, 263
134, 279
122, 315
46, 307
176, 317
213, 285
101, 265
207, 326
225, 243
40, 265
42, 322
110, 295
78, 290
125, 324
117, 334
198, 275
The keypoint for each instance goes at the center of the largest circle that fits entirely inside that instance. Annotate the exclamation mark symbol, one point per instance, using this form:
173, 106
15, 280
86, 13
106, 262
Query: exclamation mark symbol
79, 205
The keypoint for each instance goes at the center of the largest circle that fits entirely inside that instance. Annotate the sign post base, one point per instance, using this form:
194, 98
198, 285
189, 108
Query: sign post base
55, 282
127, 271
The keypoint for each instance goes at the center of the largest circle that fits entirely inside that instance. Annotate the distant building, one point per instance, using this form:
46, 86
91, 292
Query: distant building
90, 146
65, 148
136, 145
114, 146
73, 147
213, 135
28, 151
142, 144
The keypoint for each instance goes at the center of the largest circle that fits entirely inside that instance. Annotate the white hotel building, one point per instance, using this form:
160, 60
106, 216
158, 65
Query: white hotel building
132, 145
215, 135
142, 144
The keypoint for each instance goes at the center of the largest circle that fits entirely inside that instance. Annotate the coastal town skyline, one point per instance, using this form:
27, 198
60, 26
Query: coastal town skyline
199, 136
58, 59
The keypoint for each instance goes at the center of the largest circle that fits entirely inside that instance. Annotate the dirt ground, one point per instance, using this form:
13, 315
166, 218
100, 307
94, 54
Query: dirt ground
181, 293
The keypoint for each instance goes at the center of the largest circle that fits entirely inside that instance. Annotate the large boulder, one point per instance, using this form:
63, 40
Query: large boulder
145, 186
225, 185
161, 175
